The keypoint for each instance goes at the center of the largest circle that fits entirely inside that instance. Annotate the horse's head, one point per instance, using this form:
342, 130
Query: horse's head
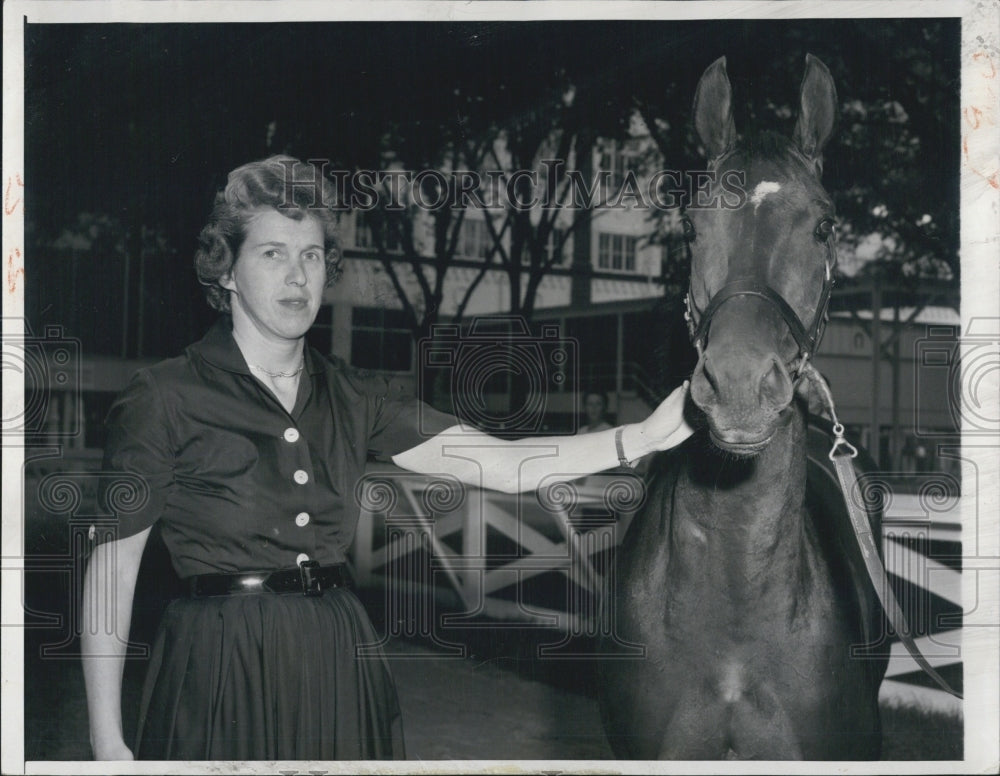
761, 267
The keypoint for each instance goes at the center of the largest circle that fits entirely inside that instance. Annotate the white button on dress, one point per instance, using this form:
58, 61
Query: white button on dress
302, 519
300, 477
291, 435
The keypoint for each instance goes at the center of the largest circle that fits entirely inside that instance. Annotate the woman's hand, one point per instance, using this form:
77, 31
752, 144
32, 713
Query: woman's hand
666, 426
114, 749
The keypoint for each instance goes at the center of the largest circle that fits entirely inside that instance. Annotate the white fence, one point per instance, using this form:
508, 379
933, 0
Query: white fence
912, 525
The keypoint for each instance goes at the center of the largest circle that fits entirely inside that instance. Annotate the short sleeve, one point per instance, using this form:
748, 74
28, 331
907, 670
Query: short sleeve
403, 423
138, 457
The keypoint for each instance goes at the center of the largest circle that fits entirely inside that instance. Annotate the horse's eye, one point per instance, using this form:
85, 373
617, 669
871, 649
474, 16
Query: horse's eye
824, 229
689, 231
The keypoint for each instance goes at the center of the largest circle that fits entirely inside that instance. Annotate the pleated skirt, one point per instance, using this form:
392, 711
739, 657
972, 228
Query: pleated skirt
268, 677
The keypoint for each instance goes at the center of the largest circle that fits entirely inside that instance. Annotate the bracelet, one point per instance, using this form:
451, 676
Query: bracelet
621, 450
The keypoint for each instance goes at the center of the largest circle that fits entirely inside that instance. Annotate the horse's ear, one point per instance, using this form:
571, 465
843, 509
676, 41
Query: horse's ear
818, 109
713, 110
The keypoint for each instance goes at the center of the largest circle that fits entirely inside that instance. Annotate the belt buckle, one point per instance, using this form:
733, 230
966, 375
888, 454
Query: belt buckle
310, 583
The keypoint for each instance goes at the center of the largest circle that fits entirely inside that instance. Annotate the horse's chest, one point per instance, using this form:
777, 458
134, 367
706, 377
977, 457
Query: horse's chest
739, 617
732, 643
739, 657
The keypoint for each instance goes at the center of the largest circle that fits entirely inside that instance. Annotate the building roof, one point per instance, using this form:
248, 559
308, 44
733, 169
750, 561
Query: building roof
931, 314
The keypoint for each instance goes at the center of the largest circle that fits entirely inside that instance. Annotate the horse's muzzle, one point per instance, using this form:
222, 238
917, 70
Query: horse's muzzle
742, 393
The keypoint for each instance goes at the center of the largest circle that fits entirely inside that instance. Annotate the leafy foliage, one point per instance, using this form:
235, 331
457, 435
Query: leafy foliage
148, 144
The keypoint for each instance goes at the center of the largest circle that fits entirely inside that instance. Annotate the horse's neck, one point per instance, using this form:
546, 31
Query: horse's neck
744, 516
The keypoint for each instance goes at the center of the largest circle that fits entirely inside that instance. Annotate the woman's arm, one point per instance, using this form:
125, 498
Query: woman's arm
518, 465
108, 590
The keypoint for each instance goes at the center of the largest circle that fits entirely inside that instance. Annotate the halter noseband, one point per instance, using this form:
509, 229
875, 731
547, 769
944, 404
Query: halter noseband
807, 339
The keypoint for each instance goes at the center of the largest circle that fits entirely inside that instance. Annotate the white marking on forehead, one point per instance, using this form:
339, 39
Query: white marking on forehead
762, 190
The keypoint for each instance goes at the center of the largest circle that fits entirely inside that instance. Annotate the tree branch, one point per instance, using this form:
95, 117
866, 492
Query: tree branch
467, 296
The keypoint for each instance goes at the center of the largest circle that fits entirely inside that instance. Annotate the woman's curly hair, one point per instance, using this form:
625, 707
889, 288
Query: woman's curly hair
261, 184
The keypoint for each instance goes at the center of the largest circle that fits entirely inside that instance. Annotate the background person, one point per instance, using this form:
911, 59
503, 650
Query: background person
595, 409
251, 444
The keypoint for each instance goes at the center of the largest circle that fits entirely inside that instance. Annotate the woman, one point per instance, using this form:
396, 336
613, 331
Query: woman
250, 445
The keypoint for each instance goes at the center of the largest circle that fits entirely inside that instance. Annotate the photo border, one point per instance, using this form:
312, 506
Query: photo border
980, 291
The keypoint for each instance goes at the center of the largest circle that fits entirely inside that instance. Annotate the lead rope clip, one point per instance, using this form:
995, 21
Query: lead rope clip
839, 441
808, 370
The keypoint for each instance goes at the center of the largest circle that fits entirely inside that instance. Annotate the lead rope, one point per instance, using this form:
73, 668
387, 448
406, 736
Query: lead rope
841, 454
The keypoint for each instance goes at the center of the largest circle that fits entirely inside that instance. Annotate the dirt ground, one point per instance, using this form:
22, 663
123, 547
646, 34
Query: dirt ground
476, 707
495, 703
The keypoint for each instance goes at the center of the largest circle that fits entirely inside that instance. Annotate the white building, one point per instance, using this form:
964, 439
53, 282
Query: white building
600, 292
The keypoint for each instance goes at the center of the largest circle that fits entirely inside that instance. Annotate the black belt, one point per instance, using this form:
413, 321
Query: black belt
309, 579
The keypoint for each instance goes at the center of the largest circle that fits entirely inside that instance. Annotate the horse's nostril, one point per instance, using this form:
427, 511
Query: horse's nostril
708, 371
704, 389
776, 386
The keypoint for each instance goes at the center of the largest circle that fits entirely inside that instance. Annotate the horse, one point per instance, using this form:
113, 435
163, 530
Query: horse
739, 578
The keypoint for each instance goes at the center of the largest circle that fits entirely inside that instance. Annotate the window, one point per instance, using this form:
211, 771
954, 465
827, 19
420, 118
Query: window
556, 242
618, 161
474, 241
381, 340
365, 238
616, 252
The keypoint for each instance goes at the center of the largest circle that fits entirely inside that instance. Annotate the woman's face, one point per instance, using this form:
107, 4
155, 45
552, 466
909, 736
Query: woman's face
278, 278
593, 405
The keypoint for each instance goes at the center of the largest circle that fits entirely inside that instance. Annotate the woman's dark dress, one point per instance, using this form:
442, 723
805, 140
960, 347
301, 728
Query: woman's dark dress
241, 485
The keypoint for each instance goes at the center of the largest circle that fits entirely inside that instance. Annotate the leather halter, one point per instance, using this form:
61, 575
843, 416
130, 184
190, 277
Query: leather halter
807, 339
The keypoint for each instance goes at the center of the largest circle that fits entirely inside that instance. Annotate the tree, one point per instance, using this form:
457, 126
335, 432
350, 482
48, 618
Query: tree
544, 106
892, 164
437, 95
119, 267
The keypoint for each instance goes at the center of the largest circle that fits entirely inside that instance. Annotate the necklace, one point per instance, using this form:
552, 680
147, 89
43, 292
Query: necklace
302, 364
